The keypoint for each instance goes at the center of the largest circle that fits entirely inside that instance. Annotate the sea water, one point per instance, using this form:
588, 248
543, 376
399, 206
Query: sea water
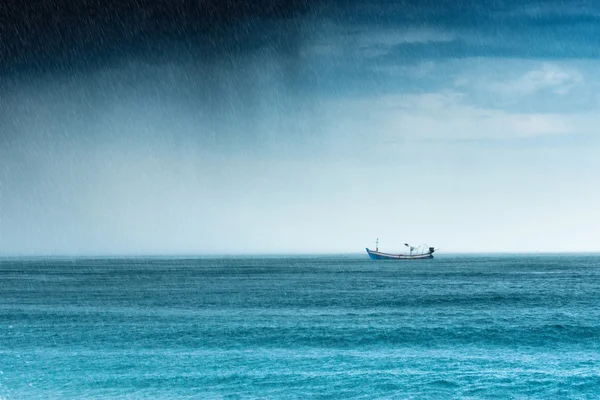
486, 326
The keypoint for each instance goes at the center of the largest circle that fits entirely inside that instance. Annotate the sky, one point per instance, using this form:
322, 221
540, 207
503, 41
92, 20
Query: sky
226, 127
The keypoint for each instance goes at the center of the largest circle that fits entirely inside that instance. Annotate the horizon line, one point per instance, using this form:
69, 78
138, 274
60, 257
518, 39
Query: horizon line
281, 254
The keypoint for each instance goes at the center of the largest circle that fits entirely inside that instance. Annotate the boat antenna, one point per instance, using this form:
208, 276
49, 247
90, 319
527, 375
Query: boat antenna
377, 245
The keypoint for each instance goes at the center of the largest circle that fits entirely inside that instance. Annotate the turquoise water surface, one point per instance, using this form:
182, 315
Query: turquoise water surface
494, 326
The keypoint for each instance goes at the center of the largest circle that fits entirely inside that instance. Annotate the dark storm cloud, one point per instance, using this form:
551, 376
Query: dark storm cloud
55, 34
65, 34
212, 62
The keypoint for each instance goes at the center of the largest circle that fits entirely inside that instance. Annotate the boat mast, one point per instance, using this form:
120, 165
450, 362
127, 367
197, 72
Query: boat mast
377, 245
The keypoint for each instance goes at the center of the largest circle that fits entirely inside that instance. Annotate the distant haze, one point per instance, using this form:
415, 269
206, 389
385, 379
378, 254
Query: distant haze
297, 127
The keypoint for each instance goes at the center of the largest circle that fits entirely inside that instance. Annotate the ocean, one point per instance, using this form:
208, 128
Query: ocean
457, 326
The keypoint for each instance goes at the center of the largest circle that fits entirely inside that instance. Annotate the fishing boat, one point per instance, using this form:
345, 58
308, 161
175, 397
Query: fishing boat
415, 253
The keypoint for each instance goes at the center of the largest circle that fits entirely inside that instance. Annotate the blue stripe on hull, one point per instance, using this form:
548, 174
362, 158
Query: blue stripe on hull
378, 257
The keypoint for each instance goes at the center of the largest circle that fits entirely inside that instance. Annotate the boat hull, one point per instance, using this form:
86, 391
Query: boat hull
377, 255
